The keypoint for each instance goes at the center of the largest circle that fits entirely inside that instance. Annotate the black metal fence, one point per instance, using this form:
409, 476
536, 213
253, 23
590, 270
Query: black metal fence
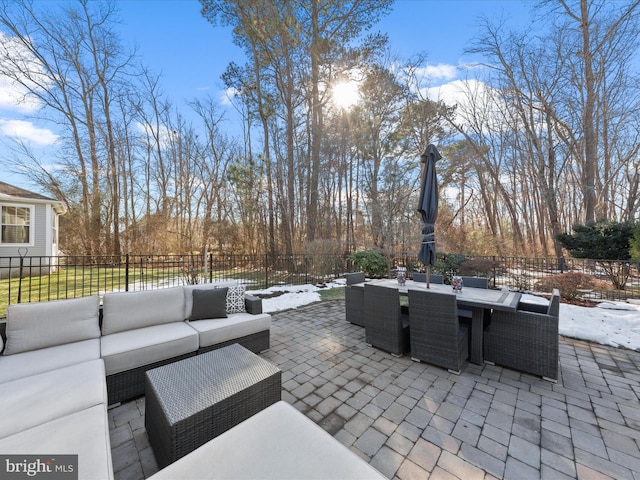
591, 279
33, 279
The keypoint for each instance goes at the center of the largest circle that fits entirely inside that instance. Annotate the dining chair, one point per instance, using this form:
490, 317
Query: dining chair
433, 278
437, 336
386, 323
354, 298
525, 340
475, 282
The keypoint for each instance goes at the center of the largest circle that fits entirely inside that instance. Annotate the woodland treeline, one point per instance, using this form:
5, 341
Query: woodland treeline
545, 133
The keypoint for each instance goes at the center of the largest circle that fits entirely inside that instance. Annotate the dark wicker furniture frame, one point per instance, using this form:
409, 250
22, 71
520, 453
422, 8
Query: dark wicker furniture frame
354, 298
433, 278
481, 301
386, 325
129, 384
194, 400
473, 282
525, 340
437, 337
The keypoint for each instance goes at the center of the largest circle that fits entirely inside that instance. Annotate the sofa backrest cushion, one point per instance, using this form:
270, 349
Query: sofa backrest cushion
209, 303
124, 311
31, 326
188, 293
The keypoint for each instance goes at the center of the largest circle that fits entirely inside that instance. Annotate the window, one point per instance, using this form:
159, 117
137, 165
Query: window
16, 224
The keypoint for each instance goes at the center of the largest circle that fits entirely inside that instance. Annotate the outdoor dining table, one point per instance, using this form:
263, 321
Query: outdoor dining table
478, 300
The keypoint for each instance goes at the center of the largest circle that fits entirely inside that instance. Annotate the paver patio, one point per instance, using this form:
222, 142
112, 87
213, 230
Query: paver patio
416, 421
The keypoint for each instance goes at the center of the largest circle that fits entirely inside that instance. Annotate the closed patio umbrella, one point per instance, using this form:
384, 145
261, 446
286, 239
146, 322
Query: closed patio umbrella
428, 205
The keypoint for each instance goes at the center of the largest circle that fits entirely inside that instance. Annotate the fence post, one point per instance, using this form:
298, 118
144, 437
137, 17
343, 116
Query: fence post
494, 270
23, 253
210, 267
126, 272
306, 269
266, 271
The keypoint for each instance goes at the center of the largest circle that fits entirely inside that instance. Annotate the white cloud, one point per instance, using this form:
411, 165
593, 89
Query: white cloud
227, 96
439, 72
15, 58
458, 92
162, 135
27, 131
12, 97
472, 98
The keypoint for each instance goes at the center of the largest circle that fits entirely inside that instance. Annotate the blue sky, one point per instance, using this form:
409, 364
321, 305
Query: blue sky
173, 39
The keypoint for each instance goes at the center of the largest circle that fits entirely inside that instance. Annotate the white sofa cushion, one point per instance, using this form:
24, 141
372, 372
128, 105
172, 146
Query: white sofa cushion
37, 399
31, 326
24, 364
280, 443
143, 346
84, 433
124, 311
236, 325
188, 293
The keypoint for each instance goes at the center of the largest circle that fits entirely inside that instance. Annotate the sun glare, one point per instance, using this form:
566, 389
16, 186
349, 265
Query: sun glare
345, 94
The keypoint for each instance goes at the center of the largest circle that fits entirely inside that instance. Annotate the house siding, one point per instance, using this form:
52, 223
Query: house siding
40, 225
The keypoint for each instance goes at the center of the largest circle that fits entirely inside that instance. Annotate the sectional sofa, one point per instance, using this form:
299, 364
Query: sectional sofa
64, 362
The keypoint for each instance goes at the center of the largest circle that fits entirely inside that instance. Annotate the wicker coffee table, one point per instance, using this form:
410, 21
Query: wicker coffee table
189, 402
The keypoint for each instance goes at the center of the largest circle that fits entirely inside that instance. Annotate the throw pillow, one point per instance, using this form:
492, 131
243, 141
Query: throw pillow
209, 303
235, 299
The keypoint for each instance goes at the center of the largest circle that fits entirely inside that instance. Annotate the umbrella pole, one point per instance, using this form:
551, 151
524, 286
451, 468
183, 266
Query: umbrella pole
428, 275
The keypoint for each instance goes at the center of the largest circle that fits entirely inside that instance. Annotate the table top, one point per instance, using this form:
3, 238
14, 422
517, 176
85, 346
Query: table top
469, 296
185, 387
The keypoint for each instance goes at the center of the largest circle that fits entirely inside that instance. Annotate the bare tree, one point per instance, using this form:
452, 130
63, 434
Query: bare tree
70, 61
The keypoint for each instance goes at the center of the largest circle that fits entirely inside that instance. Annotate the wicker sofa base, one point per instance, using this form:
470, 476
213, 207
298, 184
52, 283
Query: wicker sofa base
129, 384
256, 342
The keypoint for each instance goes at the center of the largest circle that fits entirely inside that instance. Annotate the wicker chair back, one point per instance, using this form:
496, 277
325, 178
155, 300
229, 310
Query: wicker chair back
475, 282
386, 327
355, 277
436, 334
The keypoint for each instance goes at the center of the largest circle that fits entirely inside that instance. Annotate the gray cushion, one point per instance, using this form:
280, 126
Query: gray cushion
281, 443
209, 303
126, 350
24, 364
31, 326
188, 295
84, 433
213, 332
32, 401
124, 311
